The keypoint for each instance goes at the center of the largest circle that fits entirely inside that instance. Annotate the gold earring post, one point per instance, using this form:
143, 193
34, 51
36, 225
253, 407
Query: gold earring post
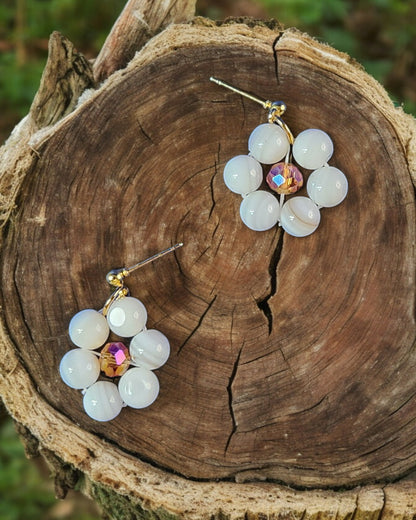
266, 104
116, 276
276, 108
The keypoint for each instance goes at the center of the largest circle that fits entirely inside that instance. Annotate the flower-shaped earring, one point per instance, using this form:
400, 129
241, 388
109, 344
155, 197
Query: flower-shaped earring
89, 330
269, 143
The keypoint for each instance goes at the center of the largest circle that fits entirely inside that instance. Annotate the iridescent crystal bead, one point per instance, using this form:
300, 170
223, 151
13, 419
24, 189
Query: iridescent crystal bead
114, 359
284, 178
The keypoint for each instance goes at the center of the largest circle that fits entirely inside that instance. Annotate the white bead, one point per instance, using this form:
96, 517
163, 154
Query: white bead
102, 401
259, 210
327, 186
150, 349
138, 387
268, 143
79, 368
243, 174
88, 329
127, 317
312, 148
300, 216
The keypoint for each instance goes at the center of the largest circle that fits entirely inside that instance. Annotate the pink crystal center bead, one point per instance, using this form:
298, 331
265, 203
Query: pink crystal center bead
284, 178
114, 359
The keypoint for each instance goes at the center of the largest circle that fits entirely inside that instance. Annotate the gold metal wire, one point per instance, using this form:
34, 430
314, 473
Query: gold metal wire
276, 108
116, 277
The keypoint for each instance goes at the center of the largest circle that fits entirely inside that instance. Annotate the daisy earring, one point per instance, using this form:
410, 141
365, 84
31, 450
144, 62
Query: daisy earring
273, 143
130, 367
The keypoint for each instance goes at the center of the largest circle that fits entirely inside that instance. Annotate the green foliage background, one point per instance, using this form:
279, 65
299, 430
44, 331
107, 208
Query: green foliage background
380, 34
25, 26
26, 489
23, 493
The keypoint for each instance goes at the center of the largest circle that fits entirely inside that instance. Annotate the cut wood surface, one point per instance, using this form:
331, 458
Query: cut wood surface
293, 360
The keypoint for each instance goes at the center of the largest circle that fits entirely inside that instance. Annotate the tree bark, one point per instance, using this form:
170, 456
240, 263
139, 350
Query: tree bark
137, 24
292, 359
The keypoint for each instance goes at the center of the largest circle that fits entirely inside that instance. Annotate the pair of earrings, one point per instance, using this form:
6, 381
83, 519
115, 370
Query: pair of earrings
269, 143
149, 349
260, 210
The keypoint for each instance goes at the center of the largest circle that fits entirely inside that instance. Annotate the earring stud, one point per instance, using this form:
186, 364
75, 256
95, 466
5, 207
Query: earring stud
149, 349
270, 143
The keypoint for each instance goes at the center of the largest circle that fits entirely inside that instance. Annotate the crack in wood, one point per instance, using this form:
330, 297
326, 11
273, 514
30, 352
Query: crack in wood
211, 186
310, 408
230, 399
412, 396
381, 512
175, 255
191, 177
243, 107
263, 304
143, 131
201, 319
303, 515
354, 513
276, 59
377, 448
215, 230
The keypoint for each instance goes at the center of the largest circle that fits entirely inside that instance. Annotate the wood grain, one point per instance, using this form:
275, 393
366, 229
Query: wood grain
292, 359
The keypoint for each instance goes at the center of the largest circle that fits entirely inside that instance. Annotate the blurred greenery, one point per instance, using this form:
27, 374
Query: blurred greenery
25, 488
380, 34
24, 494
25, 26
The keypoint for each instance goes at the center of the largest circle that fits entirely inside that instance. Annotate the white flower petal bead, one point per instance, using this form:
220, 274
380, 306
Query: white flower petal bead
300, 216
79, 368
327, 186
88, 329
138, 387
150, 349
268, 143
243, 174
312, 148
127, 317
102, 401
259, 210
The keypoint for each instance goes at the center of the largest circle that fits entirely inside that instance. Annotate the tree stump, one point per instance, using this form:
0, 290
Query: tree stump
290, 391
